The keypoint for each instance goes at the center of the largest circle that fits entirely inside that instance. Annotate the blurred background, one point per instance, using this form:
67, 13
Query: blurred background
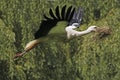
82, 58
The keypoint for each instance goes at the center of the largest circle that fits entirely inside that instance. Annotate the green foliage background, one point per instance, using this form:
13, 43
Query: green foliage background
79, 59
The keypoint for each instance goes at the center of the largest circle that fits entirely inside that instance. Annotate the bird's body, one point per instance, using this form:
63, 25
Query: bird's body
48, 31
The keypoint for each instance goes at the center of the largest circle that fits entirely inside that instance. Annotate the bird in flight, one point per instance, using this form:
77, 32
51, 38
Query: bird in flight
73, 17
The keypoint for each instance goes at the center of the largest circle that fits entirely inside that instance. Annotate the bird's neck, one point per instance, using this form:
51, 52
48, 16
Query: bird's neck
84, 32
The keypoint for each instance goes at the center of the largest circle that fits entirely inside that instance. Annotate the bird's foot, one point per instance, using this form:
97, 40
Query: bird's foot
18, 55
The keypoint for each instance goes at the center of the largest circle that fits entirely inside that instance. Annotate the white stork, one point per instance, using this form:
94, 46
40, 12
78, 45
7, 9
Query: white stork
72, 16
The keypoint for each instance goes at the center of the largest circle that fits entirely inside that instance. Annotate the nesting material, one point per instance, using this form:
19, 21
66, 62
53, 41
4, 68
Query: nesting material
102, 32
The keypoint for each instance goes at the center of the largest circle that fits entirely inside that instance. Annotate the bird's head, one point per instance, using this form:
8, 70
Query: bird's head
92, 28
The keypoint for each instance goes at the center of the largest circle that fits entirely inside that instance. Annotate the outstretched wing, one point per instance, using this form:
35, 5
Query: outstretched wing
48, 23
77, 17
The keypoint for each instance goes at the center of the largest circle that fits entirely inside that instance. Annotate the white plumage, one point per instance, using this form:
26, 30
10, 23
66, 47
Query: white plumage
73, 33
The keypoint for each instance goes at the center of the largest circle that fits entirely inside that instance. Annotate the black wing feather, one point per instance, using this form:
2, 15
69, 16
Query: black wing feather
57, 12
46, 17
49, 23
45, 27
68, 12
52, 14
63, 12
71, 14
77, 17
